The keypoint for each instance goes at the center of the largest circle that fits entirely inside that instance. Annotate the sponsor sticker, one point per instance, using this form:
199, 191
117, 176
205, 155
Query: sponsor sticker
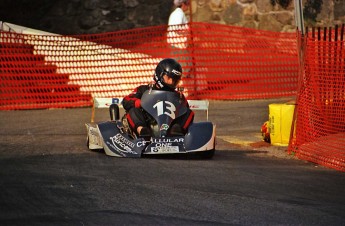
168, 140
165, 149
164, 127
122, 144
94, 137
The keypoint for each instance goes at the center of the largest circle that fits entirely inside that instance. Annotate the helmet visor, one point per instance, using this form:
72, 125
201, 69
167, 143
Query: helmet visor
171, 81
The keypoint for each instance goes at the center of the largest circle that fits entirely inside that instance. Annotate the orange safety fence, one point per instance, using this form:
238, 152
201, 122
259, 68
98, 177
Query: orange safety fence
319, 129
219, 62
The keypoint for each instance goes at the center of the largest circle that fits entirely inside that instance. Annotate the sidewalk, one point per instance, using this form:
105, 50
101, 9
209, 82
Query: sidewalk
239, 124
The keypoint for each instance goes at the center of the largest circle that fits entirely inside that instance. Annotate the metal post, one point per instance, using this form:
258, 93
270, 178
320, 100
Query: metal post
299, 16
300, 49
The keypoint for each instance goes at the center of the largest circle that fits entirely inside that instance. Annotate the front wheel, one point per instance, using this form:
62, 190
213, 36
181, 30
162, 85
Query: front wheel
207, 154
88, 142
210, 153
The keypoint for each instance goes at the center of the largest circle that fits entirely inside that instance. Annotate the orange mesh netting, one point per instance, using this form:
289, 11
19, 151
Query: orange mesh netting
320, 117
219, 62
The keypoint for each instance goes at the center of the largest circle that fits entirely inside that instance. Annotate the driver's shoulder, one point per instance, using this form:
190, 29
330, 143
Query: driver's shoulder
143, 88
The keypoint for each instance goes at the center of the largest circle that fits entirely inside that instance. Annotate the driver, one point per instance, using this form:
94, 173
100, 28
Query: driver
167, 76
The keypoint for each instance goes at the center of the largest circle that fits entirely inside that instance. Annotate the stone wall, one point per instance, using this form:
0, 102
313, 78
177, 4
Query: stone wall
273, 15
97, 16
259, 14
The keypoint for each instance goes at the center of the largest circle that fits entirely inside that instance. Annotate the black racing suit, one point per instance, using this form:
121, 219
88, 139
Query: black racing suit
136, 116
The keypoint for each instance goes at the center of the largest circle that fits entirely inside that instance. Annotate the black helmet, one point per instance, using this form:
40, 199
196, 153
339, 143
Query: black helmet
171, 68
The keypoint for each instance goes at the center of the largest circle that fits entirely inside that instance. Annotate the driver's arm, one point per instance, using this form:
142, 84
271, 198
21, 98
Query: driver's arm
133, 99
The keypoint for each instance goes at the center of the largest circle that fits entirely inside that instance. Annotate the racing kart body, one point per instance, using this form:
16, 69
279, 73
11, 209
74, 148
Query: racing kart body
162, 107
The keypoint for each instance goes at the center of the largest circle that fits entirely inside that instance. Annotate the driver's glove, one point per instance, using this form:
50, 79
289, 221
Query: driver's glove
137, 103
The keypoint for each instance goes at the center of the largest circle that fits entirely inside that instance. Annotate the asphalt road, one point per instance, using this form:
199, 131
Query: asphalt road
49, 177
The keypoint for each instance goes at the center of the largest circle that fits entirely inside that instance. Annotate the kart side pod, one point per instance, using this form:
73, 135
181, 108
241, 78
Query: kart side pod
200, 137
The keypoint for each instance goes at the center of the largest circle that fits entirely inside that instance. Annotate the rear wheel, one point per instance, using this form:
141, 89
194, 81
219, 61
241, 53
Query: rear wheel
114, 112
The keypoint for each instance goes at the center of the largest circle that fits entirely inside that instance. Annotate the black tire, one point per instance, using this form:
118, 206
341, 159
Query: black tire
210, 153
114, 112
207, 154
87, 142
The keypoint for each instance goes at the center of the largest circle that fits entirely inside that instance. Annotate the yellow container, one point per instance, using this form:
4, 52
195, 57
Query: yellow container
280, 120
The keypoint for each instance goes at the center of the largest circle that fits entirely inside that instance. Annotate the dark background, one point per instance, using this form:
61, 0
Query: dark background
98, 16
85, 16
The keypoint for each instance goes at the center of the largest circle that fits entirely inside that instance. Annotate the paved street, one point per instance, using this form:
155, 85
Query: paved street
49, 177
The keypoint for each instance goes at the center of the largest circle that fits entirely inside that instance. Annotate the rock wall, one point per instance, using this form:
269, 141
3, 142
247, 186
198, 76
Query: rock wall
272, 15
259, 14
97, 16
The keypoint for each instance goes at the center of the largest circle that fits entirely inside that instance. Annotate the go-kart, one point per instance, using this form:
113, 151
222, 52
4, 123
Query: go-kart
116, 138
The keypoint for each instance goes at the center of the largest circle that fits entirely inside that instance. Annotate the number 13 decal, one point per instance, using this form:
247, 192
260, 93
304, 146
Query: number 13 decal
165, 107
